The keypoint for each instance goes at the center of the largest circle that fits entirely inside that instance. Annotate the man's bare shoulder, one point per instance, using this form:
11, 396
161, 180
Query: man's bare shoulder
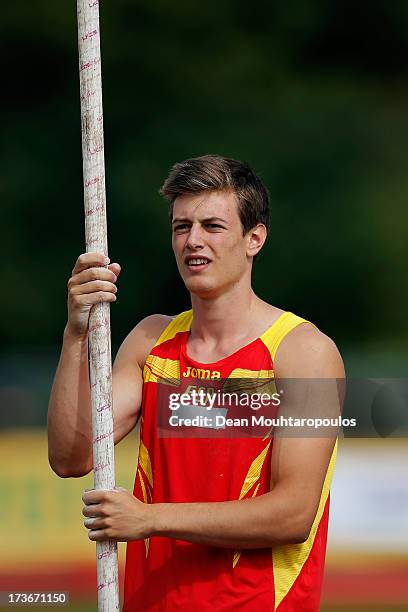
140, 341
308, 352
154, 325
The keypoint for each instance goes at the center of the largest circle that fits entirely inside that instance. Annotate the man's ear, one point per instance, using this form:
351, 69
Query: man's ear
255, 239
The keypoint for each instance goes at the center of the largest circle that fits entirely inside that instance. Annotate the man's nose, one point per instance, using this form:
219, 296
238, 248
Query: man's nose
195, 237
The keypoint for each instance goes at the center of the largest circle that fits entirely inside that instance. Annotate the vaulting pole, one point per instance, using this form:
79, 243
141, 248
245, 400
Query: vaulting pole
99, 321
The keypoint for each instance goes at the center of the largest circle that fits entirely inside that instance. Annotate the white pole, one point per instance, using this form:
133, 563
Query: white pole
99, 321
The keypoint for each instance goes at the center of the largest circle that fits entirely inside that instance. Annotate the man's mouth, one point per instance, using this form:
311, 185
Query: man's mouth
197, 263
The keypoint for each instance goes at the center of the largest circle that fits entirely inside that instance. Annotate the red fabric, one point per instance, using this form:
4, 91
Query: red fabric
179, 575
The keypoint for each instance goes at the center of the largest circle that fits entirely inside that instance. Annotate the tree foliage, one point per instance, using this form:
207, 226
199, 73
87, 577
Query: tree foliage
312, 94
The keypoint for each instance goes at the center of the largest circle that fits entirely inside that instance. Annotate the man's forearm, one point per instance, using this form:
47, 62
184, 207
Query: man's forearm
69, 412
265, 521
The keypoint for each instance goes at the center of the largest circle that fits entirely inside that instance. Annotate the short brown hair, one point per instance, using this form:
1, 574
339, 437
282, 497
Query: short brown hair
216, 173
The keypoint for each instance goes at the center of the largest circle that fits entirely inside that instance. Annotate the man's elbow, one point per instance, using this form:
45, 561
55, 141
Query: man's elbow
64, 470
297, 531
302, 536
302, 528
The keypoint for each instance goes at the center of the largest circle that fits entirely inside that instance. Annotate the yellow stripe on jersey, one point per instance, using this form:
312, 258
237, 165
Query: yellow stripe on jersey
145, 463
276, 333
254, 472
157, 368
250, 381
236, 557
180, 323
242, 373
251, 478
142, 486
289, 559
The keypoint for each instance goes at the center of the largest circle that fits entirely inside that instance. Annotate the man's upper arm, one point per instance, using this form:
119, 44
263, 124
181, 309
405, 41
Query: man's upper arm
309, 370
127, 373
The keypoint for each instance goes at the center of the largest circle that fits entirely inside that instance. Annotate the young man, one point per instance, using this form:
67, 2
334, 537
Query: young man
223, 523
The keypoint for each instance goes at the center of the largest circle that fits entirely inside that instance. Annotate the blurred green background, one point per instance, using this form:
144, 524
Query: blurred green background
312, 93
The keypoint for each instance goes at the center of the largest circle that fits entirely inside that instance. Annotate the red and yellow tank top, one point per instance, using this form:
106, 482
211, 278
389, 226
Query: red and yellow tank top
165, 574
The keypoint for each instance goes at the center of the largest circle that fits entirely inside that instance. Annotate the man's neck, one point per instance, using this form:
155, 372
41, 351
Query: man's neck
226, 316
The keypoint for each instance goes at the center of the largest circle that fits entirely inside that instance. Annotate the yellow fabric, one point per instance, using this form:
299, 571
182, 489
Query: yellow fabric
241, 373
180, 323
251, 478
142, 485
236, 557
276, 333
250, 381
254, 472
145, 463
289, 559
157, 368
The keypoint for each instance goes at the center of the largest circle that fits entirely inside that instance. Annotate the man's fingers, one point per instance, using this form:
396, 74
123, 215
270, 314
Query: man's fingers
115, 268
95, 496
92, 511
89, 299
92, 496
97, 535
94, 523
89, 496
87, 260
91, 283
92, 274
93, 287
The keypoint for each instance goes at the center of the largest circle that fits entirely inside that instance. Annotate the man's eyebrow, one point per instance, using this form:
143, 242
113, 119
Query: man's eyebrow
181, 219
210, 219
206, 220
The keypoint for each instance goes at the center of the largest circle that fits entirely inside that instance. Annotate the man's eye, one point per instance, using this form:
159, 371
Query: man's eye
181, 227
214, 226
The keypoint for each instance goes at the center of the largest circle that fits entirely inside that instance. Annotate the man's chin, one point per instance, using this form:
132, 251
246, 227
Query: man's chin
200, 287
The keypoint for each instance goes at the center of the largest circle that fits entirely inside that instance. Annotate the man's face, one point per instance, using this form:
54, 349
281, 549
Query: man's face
210, 250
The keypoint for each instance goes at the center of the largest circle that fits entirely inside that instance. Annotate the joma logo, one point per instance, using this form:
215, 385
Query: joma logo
201, 373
